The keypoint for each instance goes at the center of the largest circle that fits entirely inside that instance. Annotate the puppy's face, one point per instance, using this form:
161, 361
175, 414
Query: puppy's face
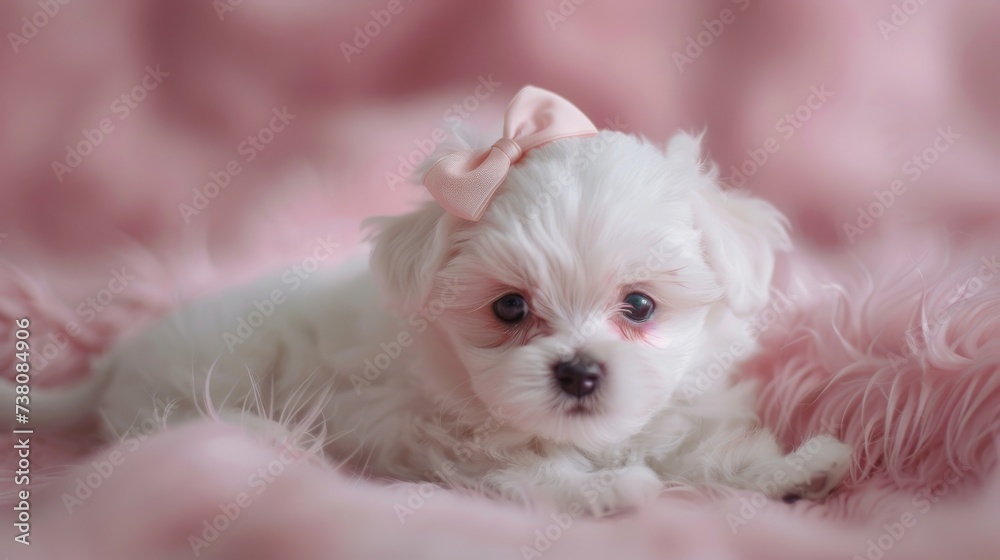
579, 302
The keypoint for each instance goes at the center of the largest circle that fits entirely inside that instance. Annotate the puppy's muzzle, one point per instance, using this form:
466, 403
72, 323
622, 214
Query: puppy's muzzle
578, 376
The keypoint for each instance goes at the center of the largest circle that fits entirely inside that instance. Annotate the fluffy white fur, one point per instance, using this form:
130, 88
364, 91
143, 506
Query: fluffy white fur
402, 369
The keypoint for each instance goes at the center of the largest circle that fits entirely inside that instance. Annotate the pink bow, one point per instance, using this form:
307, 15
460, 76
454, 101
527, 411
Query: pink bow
465, 182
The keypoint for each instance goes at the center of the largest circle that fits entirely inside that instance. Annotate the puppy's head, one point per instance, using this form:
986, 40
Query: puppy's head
579, 301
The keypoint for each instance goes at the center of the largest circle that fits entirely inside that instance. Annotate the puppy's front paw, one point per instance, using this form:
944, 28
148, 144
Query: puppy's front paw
600, 493
818, 466
611, 491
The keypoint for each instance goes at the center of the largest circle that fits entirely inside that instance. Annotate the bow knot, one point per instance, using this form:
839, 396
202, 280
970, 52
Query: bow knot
509, 147
464, 182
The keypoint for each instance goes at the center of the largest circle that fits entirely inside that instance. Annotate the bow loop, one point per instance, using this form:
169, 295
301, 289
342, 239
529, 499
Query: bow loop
464, 182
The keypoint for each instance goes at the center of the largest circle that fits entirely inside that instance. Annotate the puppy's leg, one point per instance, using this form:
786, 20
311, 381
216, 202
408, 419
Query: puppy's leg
573, 485
752, 460
715, 438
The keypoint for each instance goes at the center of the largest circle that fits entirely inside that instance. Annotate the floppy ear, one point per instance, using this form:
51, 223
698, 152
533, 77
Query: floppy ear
409, 250
740, 233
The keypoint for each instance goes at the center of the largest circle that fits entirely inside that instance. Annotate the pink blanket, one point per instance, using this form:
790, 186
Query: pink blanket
152, 151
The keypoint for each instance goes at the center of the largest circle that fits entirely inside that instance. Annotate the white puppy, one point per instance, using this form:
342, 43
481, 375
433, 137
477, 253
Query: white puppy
549, 351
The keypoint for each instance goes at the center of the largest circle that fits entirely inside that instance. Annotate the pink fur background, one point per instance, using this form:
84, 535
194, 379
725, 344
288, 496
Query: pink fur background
888, 335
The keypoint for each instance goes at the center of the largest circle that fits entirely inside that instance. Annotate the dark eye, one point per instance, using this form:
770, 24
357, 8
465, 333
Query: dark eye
510, 308
638, 307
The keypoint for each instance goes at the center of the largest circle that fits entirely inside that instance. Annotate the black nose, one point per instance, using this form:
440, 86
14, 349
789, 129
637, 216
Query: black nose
578, 376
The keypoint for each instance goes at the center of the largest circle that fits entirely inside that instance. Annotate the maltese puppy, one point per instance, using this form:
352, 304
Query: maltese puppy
540, 332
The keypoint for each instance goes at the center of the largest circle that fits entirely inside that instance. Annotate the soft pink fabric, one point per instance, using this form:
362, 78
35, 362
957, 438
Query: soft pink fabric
464, 182
831, 110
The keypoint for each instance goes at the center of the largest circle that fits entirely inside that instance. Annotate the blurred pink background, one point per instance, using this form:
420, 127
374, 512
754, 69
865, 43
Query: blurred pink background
857, 119
738, 68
